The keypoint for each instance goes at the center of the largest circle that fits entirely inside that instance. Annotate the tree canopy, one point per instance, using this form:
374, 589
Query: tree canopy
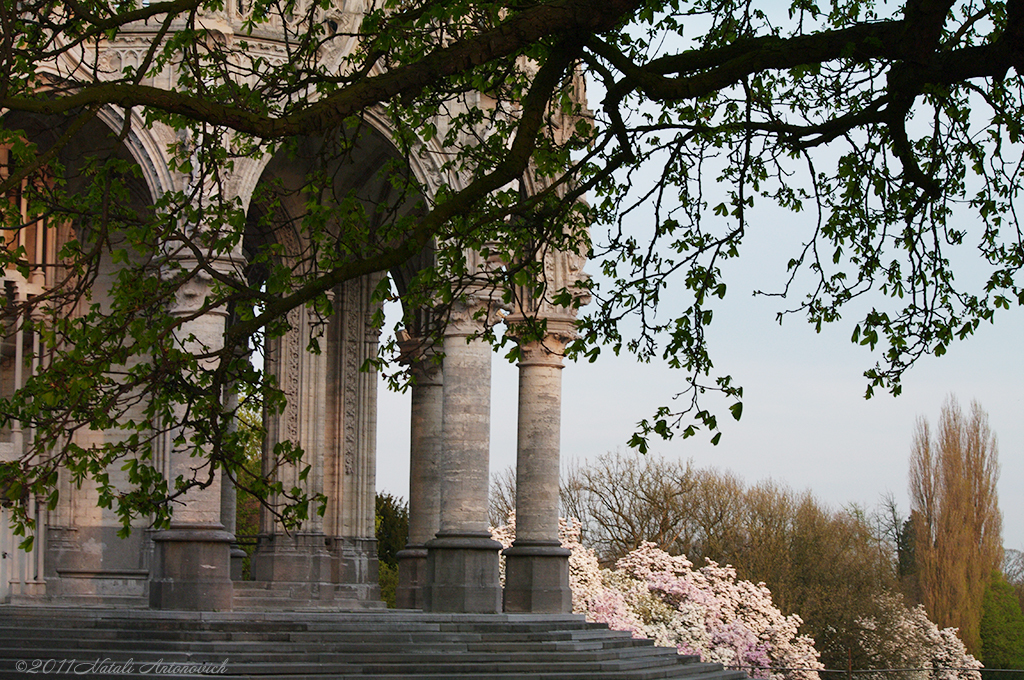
895, 129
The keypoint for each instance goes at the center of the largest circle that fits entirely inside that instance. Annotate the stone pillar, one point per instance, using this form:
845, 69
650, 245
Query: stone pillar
296, 559
462, 561
192, 559
229, 499
536, 566
424, 481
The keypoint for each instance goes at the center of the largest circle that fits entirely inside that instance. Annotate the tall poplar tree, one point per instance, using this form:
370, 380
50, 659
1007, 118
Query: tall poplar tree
953, 475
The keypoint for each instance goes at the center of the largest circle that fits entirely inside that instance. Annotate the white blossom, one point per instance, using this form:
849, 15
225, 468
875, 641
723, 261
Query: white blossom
904, 637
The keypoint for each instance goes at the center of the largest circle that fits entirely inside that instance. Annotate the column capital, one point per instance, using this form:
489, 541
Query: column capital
549, 350
191, 295
470, 317
422, 358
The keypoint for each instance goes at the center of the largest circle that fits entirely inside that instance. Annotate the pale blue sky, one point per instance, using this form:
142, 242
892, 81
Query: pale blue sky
805, 421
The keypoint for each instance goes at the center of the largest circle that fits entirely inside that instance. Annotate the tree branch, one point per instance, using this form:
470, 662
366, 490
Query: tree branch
558, 17
534, 108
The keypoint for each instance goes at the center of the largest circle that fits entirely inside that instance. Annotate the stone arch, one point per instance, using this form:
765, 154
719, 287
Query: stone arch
82, 558
331, 403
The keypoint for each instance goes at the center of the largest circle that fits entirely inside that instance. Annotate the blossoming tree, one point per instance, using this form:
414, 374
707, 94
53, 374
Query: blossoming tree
707, 612
901, 637
711, 613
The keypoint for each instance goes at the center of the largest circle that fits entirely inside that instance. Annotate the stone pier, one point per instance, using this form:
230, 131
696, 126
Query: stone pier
536, 566
462, 561
192, 559
425, 438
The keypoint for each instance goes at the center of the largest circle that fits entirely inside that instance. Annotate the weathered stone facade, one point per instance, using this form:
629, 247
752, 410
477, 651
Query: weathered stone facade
451, 563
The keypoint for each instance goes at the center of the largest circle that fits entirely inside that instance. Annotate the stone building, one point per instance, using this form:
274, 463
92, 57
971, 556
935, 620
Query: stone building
450, 563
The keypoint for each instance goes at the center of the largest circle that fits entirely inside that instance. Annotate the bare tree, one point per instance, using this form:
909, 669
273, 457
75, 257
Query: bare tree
1013, 570
958, 524
718, 513
502, 497
627, 500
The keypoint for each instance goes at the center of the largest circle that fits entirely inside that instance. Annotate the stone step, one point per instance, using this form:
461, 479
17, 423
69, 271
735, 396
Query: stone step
643, 674
23, 636
318, 645
144, 671
244, 593
256, 652
18, 647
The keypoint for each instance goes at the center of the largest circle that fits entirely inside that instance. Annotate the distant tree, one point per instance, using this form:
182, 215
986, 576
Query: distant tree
907, 558
392, 522
247, 504
767, 526
502, 496
392, 529
718, 516
835, 577
1002, 630
624, 500
1013, 570
958, 540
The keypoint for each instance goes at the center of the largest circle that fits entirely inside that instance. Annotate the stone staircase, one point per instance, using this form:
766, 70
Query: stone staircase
104, 644
260, 596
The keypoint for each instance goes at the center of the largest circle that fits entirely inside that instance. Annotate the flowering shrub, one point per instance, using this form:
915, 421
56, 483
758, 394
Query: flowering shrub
902, 637
723, 619
708, 612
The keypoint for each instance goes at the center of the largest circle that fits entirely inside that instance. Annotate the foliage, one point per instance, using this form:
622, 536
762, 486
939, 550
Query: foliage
248, 505
958, 541
1013, 570
392, 524
392, 530
1002, 629
387, 578
893, 129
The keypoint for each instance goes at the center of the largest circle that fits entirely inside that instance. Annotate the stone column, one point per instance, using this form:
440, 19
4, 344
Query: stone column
296, 559
462, 561
192, 559
424, 481
536, 566
229, 498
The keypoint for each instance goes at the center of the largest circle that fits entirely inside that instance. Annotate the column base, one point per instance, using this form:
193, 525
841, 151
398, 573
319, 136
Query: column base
412, 574
354, 567
237, 562
537, 578
291, 558
192, 568
462, 574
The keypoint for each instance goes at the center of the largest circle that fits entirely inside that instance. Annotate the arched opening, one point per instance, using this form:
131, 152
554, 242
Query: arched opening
76, 552
318, 203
